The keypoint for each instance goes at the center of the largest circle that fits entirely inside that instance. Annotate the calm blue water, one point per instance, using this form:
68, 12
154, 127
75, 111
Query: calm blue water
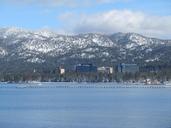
85, 108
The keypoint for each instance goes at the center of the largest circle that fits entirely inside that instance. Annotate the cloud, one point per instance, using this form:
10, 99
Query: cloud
69, 3
118, 21
39, 2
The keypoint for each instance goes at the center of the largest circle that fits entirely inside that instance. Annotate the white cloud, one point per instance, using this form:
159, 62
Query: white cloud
70, 3
39, 2
118, 21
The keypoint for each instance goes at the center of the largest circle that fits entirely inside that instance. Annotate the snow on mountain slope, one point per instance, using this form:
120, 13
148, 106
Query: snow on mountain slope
46, 42
40, 46
3, 52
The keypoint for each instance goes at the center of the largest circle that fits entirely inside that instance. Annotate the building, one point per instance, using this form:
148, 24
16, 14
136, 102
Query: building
107, 70
85, 68
151, 68
61, 70
128, 68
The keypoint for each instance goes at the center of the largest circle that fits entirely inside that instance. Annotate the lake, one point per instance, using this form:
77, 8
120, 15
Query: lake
85, 107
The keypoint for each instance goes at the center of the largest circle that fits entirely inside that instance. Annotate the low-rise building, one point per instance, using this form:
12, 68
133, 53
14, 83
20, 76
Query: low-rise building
83, 68
107, 70
128, 68
151, 68
61, 70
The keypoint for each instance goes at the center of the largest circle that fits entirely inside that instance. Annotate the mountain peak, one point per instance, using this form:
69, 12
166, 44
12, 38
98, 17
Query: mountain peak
12, 29
46, 33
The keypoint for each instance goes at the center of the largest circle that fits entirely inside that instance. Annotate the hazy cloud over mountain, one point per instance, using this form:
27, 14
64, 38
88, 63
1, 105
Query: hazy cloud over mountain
119, 21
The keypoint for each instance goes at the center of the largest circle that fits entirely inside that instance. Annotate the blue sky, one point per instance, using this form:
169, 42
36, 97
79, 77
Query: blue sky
148, 17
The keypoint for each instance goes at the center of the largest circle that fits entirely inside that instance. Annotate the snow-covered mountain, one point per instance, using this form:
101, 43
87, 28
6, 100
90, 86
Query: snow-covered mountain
22, 48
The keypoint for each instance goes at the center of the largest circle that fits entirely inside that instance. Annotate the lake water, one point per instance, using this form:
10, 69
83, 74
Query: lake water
85, 107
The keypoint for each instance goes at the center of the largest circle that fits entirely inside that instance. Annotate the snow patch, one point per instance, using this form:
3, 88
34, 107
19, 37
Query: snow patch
3, 52
148, 50
35, 60
105, 54
151, 60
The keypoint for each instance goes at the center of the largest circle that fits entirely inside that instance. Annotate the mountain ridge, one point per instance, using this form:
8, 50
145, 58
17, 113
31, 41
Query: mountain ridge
31, 49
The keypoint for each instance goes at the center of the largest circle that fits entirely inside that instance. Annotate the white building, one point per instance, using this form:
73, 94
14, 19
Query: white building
61, 70
108, 70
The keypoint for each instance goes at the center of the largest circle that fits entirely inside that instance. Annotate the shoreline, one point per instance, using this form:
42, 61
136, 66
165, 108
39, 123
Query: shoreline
81, 85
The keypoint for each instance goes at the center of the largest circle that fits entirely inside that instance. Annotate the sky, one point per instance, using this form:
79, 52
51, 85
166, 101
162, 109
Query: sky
148, 17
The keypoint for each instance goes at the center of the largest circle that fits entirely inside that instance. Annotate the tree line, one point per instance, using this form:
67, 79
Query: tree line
72, 76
